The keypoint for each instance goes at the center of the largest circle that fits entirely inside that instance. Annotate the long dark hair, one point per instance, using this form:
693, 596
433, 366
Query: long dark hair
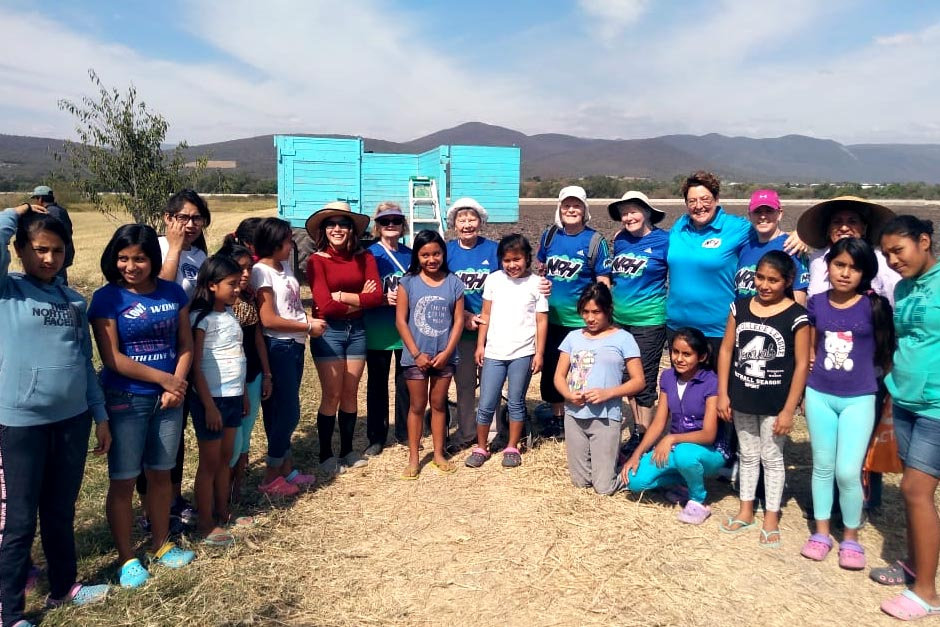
424, 238
600, 294
244, 233
131, 235
782, 263
269, 235
910, 227
863, 258
214, 270
175, 204
697, 342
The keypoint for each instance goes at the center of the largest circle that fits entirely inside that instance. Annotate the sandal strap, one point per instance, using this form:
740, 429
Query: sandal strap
480, 451
510, 450
822, 539
851, 545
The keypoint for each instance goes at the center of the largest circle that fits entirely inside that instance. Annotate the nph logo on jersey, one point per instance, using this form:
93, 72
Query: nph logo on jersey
563, 268
628, 265
473, 279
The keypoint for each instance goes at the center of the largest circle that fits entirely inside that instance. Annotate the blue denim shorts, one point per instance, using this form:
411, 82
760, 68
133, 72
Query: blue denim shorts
413, 373
144, 437
343, 339
232, 410
918, 441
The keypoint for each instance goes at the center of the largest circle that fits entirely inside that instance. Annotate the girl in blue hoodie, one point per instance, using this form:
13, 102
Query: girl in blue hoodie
48, 396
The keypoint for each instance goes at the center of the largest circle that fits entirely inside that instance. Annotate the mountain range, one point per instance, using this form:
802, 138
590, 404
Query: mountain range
791, 158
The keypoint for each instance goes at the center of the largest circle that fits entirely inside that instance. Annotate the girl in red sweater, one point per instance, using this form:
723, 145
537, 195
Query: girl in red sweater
344, 280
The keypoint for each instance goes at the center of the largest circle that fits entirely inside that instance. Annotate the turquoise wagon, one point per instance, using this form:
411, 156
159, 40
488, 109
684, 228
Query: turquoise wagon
312, 171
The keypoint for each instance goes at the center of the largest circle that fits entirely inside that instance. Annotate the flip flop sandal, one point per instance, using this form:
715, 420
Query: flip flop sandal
477, 458
766, 541
851, 555
221, 539
817, 547
742, 526
896, 574
909, 606
447, 468
411, 473
133, 574
511, 458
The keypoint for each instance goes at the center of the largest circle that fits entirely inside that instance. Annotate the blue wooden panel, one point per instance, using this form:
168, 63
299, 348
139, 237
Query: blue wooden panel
385, 177
489, 174
313, 171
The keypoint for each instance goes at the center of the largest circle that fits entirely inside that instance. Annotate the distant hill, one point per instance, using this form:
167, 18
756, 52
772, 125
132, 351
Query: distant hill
794, 158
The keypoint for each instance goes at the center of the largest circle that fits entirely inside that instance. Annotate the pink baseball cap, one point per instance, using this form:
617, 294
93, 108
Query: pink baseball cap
764, 198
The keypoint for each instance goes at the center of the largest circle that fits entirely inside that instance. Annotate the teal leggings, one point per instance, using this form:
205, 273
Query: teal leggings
839, 431
687, 464
243, 434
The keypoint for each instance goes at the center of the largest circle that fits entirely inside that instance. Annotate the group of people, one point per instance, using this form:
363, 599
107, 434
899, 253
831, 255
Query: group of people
752, 329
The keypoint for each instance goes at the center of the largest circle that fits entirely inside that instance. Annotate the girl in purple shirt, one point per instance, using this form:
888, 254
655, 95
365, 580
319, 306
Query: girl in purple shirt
696, 445
851, 334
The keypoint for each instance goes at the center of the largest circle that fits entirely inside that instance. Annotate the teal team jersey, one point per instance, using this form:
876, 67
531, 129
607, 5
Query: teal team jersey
566, 266
702, 263
381, 334
638, 272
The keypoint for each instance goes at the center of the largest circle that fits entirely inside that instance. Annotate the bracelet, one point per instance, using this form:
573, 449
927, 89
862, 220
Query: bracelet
340, 299
309, 327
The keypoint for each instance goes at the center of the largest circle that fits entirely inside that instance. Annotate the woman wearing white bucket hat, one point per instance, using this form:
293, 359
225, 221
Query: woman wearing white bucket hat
573, 256
472, 258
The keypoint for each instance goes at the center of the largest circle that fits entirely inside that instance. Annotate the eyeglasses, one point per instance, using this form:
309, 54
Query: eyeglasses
395, 221
183, 218
704, 201
337, 224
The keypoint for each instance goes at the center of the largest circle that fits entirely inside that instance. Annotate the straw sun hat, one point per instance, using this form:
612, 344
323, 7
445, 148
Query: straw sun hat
813, 225
336, 209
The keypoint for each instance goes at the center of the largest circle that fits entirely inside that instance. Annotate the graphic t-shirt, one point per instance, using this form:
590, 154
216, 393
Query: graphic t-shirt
381, 334
287, 303
431, 314
472, 266
845, 348
515, 302
147, 328
190, 262
223, 360
763, 357
638, 272
597, 363
747, 266
567, 267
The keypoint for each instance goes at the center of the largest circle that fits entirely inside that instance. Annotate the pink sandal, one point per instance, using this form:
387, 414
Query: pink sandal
851, 555
909, 606
817, 547
278, 487
694, 513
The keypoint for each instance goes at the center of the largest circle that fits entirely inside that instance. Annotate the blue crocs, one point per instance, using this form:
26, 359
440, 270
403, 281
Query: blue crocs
133, 574
172, 556
80, 594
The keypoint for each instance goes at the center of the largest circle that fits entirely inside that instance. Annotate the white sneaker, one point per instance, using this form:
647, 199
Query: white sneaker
332, 466
354, 460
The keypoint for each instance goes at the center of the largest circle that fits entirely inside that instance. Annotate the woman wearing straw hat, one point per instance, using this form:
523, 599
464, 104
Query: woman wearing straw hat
344, 280
382, 339
827, 222
573, 255
638, 273
472, 258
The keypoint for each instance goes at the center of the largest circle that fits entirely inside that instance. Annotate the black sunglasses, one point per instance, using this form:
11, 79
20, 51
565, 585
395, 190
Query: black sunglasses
343, 224
397, 221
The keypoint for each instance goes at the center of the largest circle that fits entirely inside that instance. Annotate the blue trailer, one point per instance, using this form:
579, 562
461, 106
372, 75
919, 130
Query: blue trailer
312, 171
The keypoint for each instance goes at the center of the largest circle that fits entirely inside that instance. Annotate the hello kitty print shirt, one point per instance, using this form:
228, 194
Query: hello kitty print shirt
845, 348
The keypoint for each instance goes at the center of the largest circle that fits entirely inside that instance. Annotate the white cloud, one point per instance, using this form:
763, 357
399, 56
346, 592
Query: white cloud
612, 17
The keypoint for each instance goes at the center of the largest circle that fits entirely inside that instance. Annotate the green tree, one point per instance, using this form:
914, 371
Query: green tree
119, 149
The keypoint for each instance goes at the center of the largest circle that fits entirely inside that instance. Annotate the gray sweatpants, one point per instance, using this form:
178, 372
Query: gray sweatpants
592, 446
465, 379
757, 444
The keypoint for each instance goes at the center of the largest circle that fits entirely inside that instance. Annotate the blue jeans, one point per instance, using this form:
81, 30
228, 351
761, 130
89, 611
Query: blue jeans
918, 441
493, 376
145, 437
282, 409
839, 433
688, 464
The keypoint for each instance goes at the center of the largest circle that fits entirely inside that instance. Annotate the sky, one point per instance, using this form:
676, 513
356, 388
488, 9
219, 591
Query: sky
856, 71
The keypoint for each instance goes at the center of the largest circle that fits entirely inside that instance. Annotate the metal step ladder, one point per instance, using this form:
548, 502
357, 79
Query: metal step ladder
424, 208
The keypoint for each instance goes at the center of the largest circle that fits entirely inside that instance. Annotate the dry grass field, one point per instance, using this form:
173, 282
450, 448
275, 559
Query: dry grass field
480, 547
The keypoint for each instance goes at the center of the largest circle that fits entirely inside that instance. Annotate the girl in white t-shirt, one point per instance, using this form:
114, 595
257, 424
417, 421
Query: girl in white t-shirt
286, 327
219, 402
510, 343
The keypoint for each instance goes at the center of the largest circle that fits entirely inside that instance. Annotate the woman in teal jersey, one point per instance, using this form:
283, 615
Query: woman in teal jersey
638, 273
572, 256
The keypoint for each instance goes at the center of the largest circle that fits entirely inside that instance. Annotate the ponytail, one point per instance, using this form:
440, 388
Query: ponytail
883, 322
